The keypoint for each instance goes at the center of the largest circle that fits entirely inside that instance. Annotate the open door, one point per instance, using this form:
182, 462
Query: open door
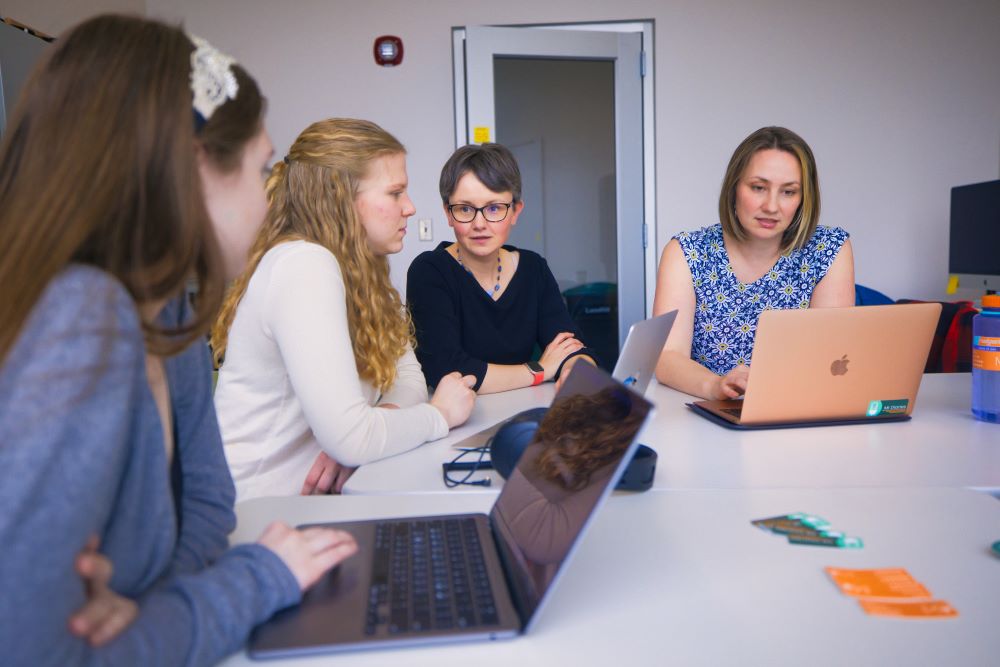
569, 103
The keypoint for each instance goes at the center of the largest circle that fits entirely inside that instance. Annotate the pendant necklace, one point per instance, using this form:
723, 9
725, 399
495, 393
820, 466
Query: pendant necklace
496, 288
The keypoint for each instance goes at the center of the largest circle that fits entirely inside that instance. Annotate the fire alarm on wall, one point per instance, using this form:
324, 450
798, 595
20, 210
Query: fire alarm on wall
388, 50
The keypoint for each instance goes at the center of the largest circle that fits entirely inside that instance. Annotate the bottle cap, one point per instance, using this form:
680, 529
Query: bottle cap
991, 301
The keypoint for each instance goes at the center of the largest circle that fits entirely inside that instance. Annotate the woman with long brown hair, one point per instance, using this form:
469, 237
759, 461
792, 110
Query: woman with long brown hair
134, 150
319, 374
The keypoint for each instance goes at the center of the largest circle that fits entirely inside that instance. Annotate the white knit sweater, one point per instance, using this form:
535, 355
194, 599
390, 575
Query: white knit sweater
289, 387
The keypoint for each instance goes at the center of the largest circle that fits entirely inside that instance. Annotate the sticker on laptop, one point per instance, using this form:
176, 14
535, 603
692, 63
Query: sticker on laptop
884, 408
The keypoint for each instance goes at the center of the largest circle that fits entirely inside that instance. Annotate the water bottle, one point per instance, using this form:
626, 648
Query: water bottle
986, 361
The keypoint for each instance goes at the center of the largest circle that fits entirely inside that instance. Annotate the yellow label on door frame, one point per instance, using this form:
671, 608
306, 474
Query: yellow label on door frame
481, 135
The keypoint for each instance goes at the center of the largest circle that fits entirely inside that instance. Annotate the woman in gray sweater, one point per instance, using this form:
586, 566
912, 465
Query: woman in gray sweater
132, 163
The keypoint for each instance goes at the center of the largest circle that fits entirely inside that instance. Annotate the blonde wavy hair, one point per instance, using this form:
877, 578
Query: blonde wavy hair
311, 196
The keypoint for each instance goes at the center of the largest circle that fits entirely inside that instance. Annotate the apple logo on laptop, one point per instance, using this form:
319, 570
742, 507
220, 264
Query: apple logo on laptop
839, 367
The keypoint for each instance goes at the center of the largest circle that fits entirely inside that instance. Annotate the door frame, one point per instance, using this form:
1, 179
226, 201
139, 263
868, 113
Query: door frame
646, 28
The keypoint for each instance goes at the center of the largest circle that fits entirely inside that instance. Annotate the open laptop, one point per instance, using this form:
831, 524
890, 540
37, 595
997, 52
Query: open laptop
822, 366
635, 367
642, 350
447, 578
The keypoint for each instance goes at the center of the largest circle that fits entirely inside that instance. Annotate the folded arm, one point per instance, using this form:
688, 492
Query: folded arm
82, 457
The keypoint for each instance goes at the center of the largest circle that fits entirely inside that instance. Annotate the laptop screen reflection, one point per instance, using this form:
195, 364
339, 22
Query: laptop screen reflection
570, 464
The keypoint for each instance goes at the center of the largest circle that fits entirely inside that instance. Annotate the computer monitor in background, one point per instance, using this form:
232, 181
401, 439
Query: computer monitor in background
974, 249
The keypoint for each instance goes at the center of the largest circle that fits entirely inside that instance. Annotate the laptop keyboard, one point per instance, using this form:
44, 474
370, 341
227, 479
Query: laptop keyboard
428, 575
736, 412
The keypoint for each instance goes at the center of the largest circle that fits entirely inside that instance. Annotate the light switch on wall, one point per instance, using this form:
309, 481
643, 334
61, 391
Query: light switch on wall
425, 229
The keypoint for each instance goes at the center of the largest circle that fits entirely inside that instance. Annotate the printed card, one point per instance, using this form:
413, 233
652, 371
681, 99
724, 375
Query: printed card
922, 609
885, 583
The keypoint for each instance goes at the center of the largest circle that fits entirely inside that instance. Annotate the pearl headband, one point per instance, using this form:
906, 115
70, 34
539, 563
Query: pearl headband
212, 80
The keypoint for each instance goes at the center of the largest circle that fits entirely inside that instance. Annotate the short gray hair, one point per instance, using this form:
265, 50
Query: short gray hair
493, 164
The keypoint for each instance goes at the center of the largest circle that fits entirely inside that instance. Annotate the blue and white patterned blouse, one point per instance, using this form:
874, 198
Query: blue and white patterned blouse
726, 310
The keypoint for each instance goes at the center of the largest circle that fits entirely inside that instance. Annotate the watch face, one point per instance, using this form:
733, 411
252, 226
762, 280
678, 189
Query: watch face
535, 367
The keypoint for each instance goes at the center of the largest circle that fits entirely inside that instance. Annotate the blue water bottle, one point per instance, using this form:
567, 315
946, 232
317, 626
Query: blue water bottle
986, 361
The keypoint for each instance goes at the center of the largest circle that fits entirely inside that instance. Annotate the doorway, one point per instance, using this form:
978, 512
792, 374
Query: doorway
569, 103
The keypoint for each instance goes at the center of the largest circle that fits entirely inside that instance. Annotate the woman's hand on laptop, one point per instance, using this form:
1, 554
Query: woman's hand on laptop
325, 476
733, 384
454, 398
105, 613
308, 552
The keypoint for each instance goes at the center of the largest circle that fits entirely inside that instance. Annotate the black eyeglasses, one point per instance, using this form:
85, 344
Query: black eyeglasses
491, 212
470, 468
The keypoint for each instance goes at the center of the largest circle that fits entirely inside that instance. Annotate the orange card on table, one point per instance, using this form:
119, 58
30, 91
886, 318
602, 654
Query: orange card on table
922, 609
884, 583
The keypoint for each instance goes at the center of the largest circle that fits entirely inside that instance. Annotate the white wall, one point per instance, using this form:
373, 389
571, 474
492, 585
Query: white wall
54, 16
900, 99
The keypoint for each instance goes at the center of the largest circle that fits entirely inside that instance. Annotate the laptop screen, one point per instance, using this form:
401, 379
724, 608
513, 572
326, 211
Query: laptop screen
574, 460
641, 351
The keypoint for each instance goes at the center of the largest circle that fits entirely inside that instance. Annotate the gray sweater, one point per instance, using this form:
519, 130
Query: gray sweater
81, 452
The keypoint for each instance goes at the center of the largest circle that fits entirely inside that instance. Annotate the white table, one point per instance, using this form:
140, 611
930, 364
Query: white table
419, 470
943, 445
681, 577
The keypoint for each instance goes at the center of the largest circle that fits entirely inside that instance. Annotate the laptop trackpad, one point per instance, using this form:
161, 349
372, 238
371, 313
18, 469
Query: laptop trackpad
332, 611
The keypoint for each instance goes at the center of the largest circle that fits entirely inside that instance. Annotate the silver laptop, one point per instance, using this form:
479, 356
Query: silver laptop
643, 345
448, 578
635, 368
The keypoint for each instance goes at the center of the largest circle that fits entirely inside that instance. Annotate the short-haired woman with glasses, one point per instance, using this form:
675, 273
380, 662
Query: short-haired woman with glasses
768, 251
481, 307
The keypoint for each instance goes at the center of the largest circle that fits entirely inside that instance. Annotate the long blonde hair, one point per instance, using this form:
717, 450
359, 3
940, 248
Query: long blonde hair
311, 196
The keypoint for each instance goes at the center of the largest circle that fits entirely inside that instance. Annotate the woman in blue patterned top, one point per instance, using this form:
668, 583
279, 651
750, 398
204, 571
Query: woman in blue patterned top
767, 252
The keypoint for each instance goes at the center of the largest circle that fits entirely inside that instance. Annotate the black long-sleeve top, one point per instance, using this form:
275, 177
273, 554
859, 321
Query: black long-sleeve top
461, 328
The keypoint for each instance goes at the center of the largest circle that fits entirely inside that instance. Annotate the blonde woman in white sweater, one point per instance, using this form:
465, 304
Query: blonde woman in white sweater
319, 374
